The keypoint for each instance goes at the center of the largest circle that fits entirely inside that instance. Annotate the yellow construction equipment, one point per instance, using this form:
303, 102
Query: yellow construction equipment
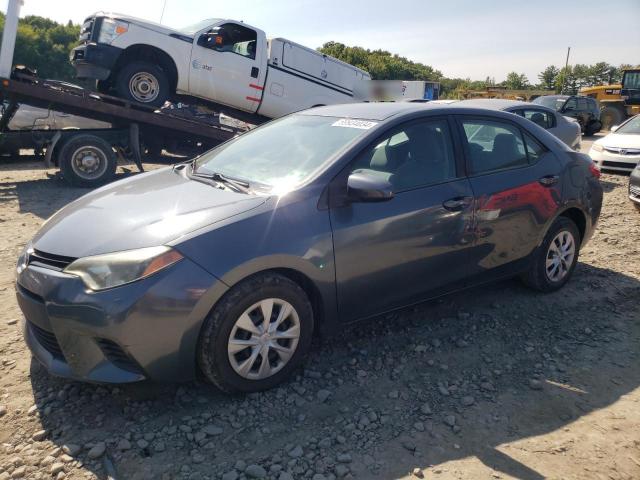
617, 102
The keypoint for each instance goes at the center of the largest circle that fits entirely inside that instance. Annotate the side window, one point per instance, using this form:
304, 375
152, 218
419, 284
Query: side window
493, 145
571, 105
233, 38
534, 148
593, 105
582, 105
413, 156
540, 117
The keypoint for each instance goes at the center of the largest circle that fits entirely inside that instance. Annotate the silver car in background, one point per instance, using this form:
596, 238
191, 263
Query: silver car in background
565, 128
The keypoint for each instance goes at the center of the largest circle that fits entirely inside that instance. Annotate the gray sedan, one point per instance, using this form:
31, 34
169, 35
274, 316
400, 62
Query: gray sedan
565, 128
229, 264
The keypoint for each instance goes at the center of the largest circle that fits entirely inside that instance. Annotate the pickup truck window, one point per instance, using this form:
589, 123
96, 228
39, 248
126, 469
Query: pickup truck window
232, 38
282, 154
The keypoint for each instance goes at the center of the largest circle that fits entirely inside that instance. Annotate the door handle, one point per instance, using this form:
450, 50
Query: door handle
549, 180
456, 204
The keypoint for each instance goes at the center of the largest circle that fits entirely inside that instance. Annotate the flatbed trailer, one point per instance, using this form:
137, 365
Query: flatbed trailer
88, 157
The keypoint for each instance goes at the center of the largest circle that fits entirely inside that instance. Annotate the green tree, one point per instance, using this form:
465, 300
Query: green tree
548, 77
44, 45
516, 81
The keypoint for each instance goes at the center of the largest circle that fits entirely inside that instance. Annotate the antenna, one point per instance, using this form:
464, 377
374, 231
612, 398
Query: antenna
163, 7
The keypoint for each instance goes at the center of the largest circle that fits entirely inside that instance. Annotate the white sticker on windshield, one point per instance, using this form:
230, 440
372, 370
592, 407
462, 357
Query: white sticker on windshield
351, 123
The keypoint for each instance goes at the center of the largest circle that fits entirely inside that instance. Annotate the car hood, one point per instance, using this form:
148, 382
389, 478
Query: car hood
157, 27
143, 211
620, 140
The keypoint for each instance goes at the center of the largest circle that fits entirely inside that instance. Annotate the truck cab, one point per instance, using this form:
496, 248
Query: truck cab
229, 63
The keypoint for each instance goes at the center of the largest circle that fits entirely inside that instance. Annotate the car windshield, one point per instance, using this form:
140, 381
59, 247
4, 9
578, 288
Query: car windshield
283, 153
196, 27
551, 102
632, 127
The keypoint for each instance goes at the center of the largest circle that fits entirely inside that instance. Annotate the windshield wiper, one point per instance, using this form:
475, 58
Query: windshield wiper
237, 185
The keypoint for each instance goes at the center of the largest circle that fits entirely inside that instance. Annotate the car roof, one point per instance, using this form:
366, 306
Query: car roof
369, 111
381, 111
556, 96
501, 104
492, 103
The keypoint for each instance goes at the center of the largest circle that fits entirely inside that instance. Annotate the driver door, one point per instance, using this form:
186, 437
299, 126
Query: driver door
416, 245
226, 66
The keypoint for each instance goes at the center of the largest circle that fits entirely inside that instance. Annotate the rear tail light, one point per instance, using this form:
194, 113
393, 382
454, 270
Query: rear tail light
595, 171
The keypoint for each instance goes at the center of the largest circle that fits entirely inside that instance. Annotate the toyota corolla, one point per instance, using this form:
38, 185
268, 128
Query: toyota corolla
227, 265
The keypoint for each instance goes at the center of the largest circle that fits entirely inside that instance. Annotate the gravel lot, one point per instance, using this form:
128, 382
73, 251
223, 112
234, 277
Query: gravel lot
495, 382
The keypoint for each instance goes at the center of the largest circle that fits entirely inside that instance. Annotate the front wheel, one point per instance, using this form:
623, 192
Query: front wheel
555, 259
87, 161
256, 335
144, 83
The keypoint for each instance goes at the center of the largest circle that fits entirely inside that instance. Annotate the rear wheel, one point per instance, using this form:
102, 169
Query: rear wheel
144, 83
256, 335
555, 259
87, 161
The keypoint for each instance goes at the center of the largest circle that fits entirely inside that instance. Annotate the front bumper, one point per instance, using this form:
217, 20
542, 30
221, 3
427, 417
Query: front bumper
94, 60
144, 330
613, 161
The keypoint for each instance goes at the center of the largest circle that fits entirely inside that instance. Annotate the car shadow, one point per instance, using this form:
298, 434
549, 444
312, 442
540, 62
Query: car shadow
45, 196
495, 364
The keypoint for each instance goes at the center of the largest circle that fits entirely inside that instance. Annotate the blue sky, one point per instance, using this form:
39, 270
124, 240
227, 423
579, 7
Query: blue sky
461, 38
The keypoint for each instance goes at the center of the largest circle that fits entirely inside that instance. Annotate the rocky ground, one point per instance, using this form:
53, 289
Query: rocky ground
496, 382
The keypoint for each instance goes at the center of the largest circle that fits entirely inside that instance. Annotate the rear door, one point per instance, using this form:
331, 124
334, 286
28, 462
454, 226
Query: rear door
227, 66
517, 190
394, 253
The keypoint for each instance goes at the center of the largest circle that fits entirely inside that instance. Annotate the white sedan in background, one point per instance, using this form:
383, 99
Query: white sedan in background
565, 128
620, 150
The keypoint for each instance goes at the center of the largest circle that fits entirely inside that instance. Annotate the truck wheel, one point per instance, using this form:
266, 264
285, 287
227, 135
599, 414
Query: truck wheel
144, 83
87, 161
610, 116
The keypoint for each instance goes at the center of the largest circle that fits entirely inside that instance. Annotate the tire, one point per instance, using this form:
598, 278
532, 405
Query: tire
87, 161
221, 328
537, 276
143, 83
611, 116
590, 130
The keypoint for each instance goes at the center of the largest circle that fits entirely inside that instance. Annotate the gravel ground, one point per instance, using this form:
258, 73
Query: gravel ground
495, 382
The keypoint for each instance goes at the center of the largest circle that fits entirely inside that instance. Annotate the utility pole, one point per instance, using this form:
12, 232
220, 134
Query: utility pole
9, 37
566, 66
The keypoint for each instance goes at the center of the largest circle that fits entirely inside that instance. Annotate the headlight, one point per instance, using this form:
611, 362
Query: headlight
24, 257
597, 148
113, 269
111, 29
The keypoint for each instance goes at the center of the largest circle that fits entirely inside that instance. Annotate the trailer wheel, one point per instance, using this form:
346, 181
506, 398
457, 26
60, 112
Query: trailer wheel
87, 161
143, 82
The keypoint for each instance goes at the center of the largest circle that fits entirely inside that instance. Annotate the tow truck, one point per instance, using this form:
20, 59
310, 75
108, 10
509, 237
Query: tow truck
89, 158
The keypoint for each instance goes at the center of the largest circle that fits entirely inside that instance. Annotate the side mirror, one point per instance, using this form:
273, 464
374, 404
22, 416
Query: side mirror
614, 128
367, 188
210, 40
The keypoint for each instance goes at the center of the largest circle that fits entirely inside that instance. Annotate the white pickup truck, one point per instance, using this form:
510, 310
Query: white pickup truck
224, 62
